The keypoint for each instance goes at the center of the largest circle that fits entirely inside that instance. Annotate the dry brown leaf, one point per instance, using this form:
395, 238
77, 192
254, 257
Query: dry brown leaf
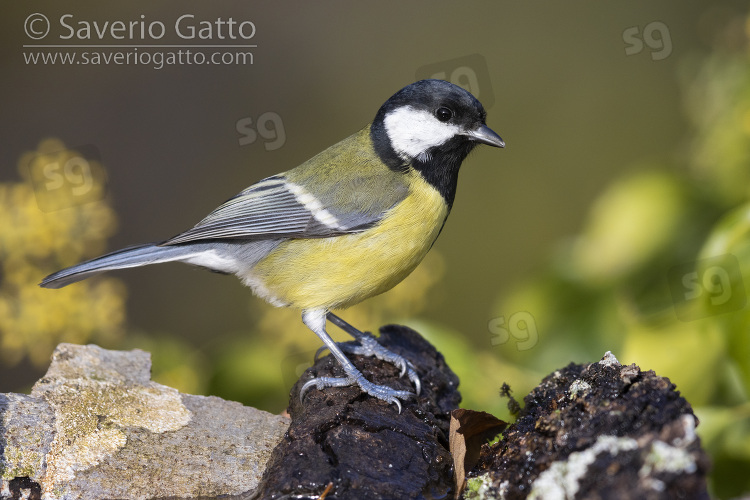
470, 429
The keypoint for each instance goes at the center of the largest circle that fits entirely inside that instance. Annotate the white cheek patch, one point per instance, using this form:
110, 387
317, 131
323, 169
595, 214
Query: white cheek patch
413, 131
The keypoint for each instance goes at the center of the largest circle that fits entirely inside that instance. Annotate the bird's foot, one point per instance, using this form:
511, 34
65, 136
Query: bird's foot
381, 392
369, 346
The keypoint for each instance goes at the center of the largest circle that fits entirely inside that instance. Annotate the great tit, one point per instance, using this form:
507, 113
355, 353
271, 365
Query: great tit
348, 224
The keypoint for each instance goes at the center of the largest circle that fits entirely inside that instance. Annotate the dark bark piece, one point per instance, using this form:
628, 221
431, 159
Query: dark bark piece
597, 431
363, 446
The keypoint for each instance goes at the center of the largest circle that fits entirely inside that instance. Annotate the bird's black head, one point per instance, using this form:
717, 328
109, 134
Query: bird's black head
431, 126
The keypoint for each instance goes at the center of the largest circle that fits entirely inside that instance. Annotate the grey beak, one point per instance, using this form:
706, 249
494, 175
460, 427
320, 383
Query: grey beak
486, 135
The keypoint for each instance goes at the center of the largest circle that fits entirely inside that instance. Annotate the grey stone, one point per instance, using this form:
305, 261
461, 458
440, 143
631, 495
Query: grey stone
27, 431
96, 426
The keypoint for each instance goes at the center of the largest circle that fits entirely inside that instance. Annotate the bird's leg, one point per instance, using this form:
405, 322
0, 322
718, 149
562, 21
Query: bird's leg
315, 320
369, 346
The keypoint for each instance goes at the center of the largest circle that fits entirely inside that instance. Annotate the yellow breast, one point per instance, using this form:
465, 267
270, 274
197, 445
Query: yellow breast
341, 271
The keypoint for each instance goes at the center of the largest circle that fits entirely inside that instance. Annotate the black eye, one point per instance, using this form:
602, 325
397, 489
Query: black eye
444, 114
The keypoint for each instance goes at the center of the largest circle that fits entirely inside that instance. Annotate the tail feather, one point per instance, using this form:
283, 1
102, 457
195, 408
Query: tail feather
135, 256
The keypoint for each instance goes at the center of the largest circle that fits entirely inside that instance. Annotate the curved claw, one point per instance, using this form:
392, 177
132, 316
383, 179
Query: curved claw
318, 352
304, 389
403, 369
398, 405
415, 380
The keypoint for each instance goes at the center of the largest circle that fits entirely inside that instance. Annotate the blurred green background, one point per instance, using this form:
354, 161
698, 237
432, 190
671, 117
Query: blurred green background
617, 218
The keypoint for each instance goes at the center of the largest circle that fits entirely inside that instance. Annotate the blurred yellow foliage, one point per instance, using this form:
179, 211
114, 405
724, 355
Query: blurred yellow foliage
175, 362
33, 244
616, 241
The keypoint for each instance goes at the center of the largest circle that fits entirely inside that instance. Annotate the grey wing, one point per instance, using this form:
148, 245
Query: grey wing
274, 208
